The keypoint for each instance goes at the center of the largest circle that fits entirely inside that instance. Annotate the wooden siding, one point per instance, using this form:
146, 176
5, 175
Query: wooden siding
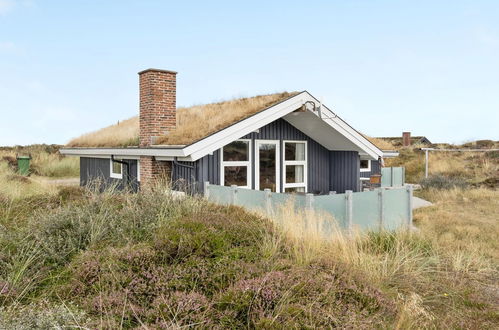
327, 170
344, 171
375, 169
98, 170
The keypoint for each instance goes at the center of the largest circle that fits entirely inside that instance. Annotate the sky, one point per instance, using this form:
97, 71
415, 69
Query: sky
429, 67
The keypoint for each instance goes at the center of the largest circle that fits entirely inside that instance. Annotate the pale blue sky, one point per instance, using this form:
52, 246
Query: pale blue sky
430, 67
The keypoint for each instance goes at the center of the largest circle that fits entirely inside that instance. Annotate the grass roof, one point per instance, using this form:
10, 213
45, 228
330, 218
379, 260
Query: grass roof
193, 123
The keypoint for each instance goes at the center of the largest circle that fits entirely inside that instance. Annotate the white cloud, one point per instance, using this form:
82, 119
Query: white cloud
7, 46
487, 37
6, 6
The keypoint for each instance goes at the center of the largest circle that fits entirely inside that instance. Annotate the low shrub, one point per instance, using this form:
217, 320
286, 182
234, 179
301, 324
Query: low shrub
443, 182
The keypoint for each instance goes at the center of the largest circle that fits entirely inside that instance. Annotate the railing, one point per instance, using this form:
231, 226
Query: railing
392, 176
387, 209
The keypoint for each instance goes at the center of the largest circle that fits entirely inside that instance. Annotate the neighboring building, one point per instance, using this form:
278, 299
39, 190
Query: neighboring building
286, 142
406, 140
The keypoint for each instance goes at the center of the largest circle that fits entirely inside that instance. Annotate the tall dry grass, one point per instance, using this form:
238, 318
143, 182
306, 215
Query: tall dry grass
15, 186
122, 134
437, 273
193, 123
381, 143
196, 122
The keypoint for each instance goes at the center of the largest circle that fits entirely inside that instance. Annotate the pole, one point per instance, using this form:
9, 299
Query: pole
426, 163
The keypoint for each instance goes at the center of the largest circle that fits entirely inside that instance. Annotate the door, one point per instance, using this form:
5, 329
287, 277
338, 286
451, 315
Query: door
267, 165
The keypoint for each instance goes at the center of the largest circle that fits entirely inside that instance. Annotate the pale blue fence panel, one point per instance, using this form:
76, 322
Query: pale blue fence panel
334, 205
396, 208
366, 213
251, 199
220, 194
398, 176
282, 200
392, 176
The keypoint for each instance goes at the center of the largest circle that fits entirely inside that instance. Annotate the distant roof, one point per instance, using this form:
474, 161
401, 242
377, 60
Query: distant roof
193, 123
398, 139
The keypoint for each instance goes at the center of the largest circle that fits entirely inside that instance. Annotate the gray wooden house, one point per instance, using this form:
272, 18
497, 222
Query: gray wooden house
288, 142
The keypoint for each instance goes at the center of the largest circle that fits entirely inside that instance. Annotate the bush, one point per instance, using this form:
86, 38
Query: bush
443, 182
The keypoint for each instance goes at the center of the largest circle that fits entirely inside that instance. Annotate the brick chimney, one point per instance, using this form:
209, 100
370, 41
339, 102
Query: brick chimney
406, 139
158, 106
158, 115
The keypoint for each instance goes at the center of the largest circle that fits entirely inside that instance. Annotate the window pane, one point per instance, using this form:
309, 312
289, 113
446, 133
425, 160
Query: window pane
237, 175
364, 163
294, 151
296, 190
267, 161
116, 168
236, 151
295, 173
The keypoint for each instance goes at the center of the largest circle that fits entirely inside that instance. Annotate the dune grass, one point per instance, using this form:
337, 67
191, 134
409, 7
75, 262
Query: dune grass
193, 123
158, 260
472, 167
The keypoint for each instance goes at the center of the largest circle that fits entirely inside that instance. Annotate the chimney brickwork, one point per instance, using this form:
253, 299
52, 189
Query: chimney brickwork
158, 115
158, 106
406, 139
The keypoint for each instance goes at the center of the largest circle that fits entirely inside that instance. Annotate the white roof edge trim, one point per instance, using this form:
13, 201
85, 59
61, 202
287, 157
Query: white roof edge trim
245, 126
349, 132
235, 131
390, 154
82, 152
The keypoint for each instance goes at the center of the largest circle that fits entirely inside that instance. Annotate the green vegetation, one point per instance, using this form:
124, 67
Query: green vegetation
79, 258
46, 160
72, 257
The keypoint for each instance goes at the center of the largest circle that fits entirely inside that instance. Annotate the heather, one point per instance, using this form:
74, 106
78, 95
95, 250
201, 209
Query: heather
79, 258
127, 260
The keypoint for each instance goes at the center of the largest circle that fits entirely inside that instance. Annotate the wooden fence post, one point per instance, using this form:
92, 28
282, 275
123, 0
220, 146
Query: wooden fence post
268, 201
233, 194
349, 209
206, 189
381, 204
409, 189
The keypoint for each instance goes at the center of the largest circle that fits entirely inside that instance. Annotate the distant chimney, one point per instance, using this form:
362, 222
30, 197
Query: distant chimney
406, 139
158, 108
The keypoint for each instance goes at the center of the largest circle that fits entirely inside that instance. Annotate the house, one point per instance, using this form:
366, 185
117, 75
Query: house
406, 140
287, 142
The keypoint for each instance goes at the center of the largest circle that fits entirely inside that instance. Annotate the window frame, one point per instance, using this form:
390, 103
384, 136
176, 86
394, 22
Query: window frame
138, 170
294, 162
247, 163
278, 163
112, 174
368, 169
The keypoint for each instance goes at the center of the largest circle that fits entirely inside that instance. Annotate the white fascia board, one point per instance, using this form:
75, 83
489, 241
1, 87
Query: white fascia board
123, 152
246, 126
341, 126
390, 154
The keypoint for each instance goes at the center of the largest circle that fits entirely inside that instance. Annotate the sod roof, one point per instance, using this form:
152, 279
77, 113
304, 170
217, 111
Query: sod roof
193, 123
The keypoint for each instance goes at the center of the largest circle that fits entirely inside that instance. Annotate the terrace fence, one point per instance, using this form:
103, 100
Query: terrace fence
380, 209
392, 176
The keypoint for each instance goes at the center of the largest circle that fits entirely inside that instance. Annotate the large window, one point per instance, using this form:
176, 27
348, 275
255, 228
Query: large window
116, 169
295, 166
236, 164
365, 165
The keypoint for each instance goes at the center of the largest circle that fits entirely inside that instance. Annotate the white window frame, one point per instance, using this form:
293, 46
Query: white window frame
368, 169
246, 163
138, 170
277, 165
115, 175
295, 162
